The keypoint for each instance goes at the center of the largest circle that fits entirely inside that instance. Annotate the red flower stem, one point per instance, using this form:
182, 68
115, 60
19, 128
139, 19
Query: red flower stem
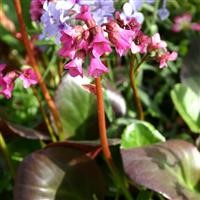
102, 121
135, 91
30, 51
118, 180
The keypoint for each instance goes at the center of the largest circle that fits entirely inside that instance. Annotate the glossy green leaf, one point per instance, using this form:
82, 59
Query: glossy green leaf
140, 133
77, 108
57, 173
171, 169
187, 104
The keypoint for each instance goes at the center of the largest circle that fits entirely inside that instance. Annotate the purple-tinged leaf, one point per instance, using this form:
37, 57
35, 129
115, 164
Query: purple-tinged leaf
58, 172
8, 128
171, 169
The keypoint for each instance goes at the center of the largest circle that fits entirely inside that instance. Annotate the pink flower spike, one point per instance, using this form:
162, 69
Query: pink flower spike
163, 59
28, 76
100, 45
75, 67
120, 38
96, 67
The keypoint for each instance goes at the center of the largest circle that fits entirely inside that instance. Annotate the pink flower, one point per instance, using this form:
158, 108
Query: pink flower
72, 41
28, 76
75, 65
164, 58
157, 43
86, 16
140, 43
100, 45
96, 67
2, 67
36, 9
184, 22
195, 26
133, 25
68, 44
120, 37
7, 84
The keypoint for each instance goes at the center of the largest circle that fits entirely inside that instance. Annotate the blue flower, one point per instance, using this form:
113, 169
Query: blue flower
163, 12
102, 10
130, 10
58, 15
54, 19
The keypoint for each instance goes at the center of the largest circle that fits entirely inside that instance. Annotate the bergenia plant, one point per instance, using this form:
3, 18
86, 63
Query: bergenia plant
89, 140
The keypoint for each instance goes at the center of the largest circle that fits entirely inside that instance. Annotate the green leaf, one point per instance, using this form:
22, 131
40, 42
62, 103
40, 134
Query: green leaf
188, 106
9, 9
144, 195
58, 173
171, 169
23, 106
140, 133
77, 108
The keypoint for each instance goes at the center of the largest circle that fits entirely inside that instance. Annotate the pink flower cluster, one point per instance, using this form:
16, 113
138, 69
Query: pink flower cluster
7, 81
85, 41
93, 41
185, 22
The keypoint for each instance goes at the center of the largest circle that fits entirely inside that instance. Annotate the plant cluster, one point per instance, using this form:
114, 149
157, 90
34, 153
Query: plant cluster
94, 104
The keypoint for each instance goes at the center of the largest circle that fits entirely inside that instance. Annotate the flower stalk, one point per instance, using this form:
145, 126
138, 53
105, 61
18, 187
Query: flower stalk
135, 90
102, 121
119, 181
30, 51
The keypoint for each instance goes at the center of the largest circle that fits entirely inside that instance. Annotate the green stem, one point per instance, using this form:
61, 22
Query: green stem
156, 5
136, 69
120, 182
135, 90
45, 117
5, 151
